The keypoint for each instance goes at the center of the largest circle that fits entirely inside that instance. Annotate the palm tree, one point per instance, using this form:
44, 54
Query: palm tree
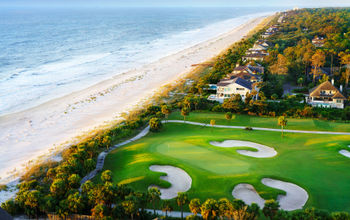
209, 209
225, 208
318, 60
185, 112
195, 206
166, 207
166, 111
153, 197
270, 209
181, 199
282, 121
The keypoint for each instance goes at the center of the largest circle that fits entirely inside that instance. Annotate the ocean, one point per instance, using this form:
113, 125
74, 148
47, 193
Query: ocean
48, 53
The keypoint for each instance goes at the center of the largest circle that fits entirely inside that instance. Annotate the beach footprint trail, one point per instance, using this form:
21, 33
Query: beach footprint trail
295, 197
180, 181
263, 151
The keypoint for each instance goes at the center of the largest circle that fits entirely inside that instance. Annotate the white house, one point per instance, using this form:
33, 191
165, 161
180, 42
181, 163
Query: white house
326, 95
227, 88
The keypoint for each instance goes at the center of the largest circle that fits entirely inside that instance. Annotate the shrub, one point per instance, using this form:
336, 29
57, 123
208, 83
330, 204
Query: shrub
155, 124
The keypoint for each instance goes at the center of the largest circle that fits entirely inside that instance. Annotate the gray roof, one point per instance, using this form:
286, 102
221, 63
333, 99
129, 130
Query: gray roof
242, 82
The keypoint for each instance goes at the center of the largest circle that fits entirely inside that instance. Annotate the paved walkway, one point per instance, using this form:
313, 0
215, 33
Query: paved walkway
174, 214
101, 157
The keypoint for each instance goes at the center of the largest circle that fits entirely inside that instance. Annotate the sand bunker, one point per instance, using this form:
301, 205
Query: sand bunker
263, 151
345, 153
295, 197
179, 179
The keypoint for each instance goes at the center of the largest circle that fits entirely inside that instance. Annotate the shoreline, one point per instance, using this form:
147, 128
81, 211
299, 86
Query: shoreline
99, 105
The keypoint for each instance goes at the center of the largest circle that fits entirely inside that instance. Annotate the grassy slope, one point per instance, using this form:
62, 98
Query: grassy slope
266, 122
311, 161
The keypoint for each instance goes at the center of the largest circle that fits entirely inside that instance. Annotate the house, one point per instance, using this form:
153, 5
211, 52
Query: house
227, 88
249, 73
254, 57
318, 41
326, 95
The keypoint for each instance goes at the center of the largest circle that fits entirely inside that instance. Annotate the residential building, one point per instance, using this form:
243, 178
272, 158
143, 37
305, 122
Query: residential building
326, 95
318, 41
227, 88
254, 57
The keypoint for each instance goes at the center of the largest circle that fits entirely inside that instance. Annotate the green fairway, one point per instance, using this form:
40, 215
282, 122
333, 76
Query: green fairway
265, 122
308, 160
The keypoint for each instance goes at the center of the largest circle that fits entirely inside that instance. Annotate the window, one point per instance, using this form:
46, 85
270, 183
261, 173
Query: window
339, 101
239, 89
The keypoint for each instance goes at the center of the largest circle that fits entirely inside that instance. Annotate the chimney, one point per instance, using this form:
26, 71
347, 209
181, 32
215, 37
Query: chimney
333, 82
341, 88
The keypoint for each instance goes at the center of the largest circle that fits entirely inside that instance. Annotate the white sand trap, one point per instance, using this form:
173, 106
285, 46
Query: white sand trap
179, 179
345, 153
295, 197
263, 151
248, 194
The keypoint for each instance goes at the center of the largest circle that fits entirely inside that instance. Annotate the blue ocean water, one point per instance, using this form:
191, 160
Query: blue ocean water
49, 53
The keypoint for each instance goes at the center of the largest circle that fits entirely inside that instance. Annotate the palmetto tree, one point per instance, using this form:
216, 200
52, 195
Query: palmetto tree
167, 207
209, 209
282, 121
166, 111
181, 199
195, 206
153, 197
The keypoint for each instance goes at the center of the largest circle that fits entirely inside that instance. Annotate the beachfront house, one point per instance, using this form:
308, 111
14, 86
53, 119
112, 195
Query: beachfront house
227, 88
326, 95
250, 73
318, 41
259, 56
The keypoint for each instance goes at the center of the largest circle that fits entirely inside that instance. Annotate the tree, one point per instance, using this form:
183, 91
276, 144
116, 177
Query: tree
225, 208
318, 60
32, 203
130, 207
270, 209
155, 124
234, 103
185, 112
282, 121
75, 203
153, 197
209, 209
74, 181
167, 207
324, 78
99, 211
195, 206
166, 111
345, 59
346, 114
300, 81
274, 96
281, 67
181, 199
228, 115
106, 176
107, 141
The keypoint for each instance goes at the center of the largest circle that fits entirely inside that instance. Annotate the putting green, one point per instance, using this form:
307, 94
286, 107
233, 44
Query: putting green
311, 161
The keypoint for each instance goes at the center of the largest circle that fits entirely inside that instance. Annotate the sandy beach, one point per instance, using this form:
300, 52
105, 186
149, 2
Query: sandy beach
40, 131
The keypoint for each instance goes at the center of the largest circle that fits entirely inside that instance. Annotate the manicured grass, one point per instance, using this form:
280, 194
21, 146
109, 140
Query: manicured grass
266, 122
308, 160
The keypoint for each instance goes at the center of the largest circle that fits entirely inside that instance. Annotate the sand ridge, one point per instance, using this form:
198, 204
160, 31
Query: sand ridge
263, 150
295, 198
180, 181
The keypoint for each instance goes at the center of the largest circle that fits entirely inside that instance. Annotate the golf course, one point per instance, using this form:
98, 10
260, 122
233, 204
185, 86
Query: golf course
213, 161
